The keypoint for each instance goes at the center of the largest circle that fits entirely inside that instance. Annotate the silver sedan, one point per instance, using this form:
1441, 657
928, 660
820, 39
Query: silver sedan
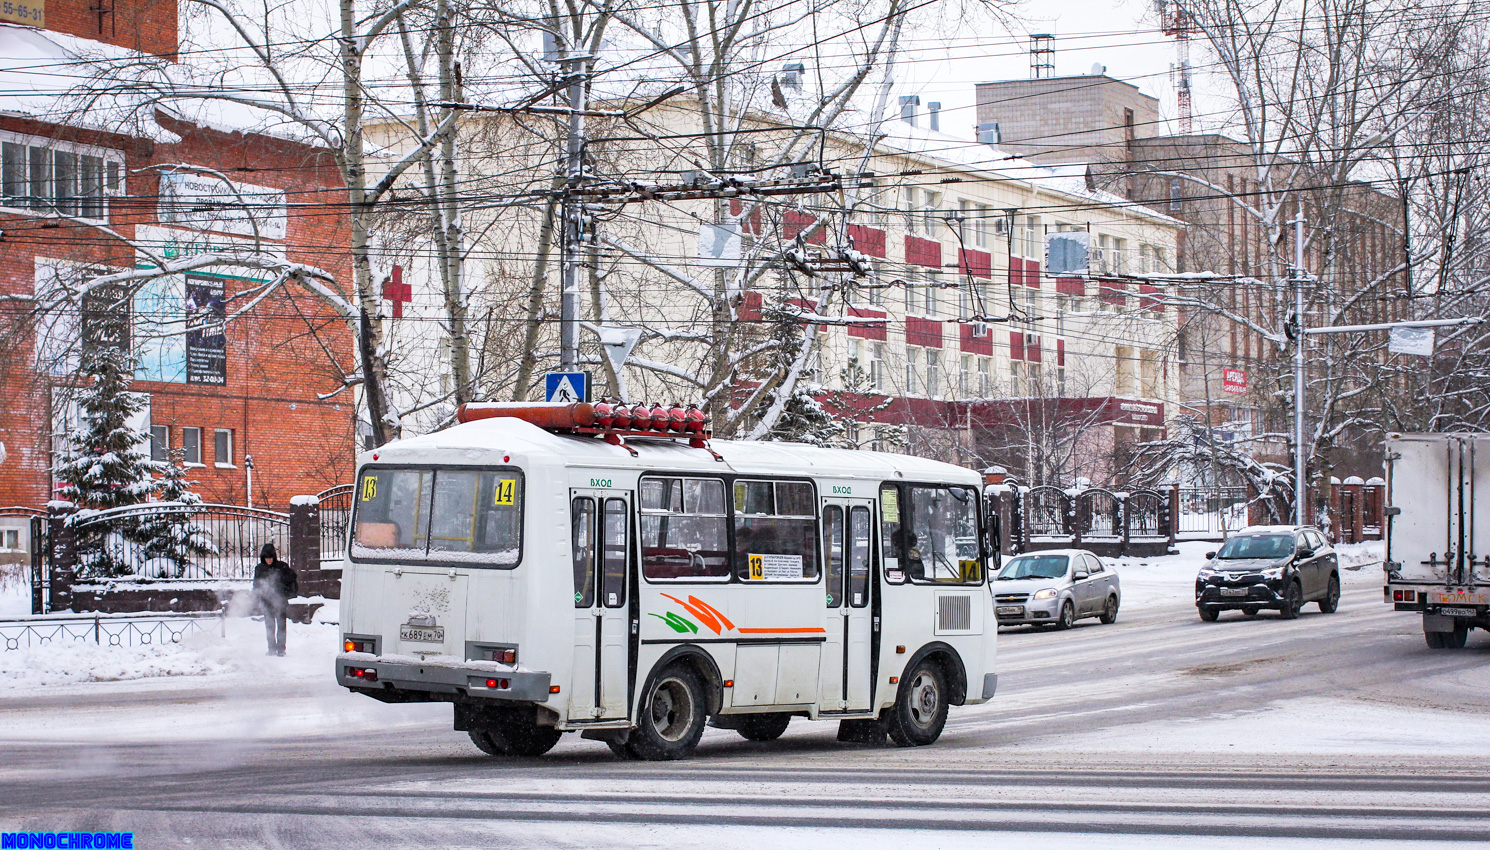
1055, 587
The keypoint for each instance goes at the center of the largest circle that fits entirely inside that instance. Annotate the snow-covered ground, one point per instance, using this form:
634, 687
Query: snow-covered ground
15, 590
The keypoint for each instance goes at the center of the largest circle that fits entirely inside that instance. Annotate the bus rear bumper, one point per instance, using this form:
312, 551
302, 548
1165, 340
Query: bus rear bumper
364, 672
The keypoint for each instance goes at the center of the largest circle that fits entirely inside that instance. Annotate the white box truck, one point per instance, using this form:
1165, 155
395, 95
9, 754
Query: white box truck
1438, 539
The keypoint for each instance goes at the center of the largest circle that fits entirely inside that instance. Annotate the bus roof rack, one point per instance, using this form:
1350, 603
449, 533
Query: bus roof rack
611, 422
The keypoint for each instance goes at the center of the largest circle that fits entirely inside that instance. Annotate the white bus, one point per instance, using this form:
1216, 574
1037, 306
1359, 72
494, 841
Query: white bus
577, 578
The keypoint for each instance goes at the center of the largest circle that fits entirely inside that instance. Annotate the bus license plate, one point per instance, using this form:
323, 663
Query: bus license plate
1010, 611
422, 634
1235, 591
1458, 612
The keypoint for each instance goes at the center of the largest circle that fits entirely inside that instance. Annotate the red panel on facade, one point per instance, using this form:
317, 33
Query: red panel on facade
1060, 352
750, 307
977, 344
1016, 345
926, 332
868, 240
975, 263
1112, 291
752, 224
799, 222
1016, 271
1147, 298
1031, 273
866, 331
1032, 351
923, 252
1070, 286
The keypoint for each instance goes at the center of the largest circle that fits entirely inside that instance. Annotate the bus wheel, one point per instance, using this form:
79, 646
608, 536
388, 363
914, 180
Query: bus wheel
763, 727
515, 738
672, 716
920, 709
528, 739
484, 742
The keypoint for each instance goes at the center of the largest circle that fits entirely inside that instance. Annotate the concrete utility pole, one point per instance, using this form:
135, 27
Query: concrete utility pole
574, 170
1300, 486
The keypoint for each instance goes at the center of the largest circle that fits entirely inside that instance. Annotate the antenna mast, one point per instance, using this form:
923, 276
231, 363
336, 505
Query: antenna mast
1174, 21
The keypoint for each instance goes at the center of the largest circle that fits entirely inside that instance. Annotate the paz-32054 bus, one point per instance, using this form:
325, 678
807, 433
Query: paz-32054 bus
551, 569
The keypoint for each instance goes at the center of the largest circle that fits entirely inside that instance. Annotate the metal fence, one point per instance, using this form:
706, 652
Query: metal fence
335, 506
155, 629
1100, 513
1211, 510
176, 541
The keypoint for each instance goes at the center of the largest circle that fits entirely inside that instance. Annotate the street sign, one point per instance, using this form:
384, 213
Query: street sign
566, 387
1411, 341
1233, 381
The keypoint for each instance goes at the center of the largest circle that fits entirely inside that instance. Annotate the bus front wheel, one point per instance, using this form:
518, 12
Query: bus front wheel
920, 709
672, 716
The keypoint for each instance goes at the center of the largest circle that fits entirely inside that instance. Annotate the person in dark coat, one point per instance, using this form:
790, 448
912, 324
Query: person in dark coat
274, 584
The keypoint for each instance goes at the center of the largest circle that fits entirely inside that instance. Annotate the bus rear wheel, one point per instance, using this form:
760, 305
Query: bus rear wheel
672, 716
515, 738
763, 727
920, 710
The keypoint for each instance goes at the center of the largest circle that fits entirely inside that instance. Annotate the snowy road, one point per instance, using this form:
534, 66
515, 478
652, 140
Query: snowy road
1326, 730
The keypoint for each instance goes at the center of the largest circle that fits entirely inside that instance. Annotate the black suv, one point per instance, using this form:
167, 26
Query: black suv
1275, 566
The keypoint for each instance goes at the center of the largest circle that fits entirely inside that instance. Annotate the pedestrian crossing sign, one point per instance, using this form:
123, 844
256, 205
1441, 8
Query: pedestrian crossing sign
567, 387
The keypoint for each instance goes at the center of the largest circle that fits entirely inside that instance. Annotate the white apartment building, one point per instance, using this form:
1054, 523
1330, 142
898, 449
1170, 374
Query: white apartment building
961, 344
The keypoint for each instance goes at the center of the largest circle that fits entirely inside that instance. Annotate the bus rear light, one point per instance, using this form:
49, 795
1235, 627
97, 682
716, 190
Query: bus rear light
365, 673
505, 656
359, 644
499, 684
1404, 595
553, 689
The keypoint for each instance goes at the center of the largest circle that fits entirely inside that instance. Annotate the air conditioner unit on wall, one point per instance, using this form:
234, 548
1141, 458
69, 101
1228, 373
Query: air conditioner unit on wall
980, 330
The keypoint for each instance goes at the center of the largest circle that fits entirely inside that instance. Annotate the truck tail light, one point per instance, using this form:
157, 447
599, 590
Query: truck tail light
1404, 596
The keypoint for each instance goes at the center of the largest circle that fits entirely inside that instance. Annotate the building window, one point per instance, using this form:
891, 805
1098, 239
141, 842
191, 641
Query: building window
913, 371
160, 443
975, 223
855, 354
922, 207
1016, 379
930, 294
1176, 194
191, 442
1032, 242
877, 365
985, 377
933, 372
13, 539
222, 447
965, 376
46, 177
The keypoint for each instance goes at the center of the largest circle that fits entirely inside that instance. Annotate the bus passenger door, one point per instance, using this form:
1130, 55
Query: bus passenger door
845, 676
601, 540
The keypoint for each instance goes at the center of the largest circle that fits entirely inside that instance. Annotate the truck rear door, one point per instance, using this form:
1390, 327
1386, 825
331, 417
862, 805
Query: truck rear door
1424, 501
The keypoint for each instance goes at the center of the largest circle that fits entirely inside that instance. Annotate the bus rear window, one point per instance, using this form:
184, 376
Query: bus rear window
463, 515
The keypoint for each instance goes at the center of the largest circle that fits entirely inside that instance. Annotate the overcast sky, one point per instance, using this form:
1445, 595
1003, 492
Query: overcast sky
1122, 35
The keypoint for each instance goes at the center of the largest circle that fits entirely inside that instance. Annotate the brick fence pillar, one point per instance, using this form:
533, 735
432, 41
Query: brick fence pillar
62, 566
305, 545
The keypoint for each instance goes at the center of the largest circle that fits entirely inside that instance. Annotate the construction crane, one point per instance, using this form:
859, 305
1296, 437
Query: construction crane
1175, 22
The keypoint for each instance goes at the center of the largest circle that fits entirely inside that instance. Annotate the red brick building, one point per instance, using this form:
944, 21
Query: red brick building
233, 367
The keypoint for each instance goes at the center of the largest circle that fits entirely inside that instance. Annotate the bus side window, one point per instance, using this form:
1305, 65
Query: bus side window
775, 531
858, 557
890, 536
833, 546
582, 519
613, 581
